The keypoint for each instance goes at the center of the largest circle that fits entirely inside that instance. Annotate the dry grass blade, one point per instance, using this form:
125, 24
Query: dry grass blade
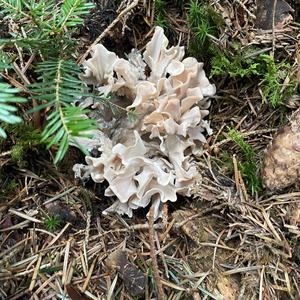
25, 216
112, 288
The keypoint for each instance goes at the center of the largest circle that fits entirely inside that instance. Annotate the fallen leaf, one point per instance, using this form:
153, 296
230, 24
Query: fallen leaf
74, 294
133, 278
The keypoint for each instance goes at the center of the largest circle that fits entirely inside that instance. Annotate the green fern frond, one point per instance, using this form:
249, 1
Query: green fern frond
70, 12
59, 88
8, 99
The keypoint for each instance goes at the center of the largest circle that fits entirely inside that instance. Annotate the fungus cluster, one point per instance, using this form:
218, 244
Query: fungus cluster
149, 160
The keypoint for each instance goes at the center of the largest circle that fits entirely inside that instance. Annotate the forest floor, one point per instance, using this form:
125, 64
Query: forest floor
233, 239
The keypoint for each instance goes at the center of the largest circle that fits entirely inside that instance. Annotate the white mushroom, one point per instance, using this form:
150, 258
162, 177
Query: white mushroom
158, 57
149, 162
99, 68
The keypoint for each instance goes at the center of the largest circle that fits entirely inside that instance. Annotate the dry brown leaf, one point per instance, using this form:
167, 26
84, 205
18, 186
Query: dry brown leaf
133, 278
74, 294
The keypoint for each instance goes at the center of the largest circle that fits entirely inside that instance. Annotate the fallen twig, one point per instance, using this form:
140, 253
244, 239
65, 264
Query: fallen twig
160, 291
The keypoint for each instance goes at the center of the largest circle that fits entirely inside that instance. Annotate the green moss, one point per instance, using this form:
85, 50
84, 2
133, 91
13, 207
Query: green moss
199, 12
161, 21
223, 64
9, 187
25, 139
195, 14
17, 152
160, 18
52, 222
204, 22
247, 163
272, 74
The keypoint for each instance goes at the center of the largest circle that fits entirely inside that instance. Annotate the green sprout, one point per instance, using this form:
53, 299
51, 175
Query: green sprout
52, 222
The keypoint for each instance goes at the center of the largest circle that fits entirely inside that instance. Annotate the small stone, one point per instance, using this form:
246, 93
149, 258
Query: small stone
265, 13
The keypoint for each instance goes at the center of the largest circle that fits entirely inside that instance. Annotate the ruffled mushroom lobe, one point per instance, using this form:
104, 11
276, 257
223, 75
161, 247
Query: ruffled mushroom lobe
149, 162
